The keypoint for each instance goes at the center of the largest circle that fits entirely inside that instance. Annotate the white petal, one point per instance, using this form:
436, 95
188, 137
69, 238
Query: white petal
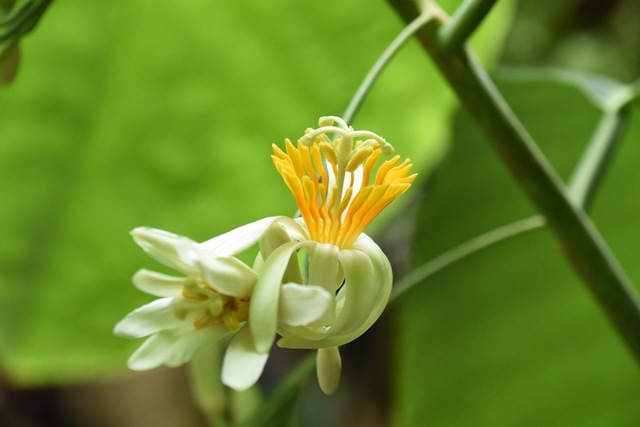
168, 248
329, 366
275, 237
229, 276
295, 228
158, 284
300, 332
242, 364
257, 263
368, 285
263, 315
301, 305
359, 298
323, 266
191, 342
148, 319
236, 241
152, 352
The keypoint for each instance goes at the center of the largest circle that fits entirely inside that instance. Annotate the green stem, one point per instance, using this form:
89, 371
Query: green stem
576, 234
24, 20
464, 250
206, 385
13, 15
597, 156
463, 23
380, 64
586, 178
276, 411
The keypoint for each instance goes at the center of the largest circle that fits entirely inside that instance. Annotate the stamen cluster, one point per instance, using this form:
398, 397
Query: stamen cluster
335, 197
213, 307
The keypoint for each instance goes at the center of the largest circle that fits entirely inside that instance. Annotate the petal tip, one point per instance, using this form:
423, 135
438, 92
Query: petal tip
329, 366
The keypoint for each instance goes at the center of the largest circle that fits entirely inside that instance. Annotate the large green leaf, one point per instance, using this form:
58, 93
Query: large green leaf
510, 336
129, 113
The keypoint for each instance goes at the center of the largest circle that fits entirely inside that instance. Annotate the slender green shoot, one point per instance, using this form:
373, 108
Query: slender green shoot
597, 157
380, 64
462, 251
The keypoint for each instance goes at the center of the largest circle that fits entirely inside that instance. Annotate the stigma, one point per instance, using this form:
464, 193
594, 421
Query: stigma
331, 176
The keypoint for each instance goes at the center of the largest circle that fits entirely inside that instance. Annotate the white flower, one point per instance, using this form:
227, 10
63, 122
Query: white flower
342, 293
215, 298
336, 203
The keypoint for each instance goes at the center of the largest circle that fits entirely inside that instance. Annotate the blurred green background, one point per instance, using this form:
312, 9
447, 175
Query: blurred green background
129, 113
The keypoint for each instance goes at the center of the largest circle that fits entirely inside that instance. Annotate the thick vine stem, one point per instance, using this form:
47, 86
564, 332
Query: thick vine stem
577, 236
463, 23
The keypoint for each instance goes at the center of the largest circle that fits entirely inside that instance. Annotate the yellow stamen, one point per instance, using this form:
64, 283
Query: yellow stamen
358, 157
296, 158
329, 152
193, 294
230, 320
332, 217
218, 308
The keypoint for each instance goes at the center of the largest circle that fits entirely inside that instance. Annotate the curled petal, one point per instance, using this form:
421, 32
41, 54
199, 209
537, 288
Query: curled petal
359, 293
257, 263
158, 284
300, 334
149, 319
229, 276
167, 248
275, 237
173, 348
295, 228
242, 364
263, 316
329, 367
188, 344
366, 292
301, 305
323, 266
242, 238
152, 352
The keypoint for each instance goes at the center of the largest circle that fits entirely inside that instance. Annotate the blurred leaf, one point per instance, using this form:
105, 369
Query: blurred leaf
16, 23
279, 409
9, 62
602, 91
511, 336
206, 383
